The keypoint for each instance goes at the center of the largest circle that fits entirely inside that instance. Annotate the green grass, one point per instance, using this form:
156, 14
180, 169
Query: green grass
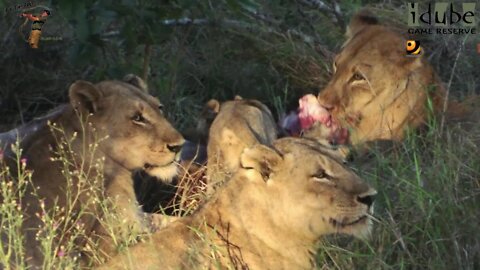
12, 190
427, 208
63, 236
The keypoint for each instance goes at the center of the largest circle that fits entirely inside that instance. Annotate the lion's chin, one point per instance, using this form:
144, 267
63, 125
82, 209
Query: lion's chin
339, 135
360, 228
165, 173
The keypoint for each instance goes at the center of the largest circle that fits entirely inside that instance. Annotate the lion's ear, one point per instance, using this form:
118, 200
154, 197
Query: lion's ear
237, 97
261, 158
212, 106
136, 81
359, 21
84, 96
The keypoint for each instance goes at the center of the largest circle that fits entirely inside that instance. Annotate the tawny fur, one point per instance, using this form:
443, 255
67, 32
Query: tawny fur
269, 215
100, 113
239, 124
376, 91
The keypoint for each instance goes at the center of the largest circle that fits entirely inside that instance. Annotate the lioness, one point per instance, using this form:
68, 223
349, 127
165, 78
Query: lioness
269, 215
116, 122
238, 124
376, 91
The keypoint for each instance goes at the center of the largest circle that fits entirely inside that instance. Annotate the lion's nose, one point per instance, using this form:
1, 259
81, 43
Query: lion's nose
326, 101
367, 198
175, 147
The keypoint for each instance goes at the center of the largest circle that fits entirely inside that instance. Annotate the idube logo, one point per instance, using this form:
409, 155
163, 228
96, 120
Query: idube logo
447, 18
413, 48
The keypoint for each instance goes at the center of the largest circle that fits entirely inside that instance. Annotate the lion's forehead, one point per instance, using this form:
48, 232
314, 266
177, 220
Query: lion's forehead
316, 160
127, 94
374, 44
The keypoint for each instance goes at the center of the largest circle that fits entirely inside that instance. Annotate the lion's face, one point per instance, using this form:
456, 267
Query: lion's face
376, 90
130, 124
311, 192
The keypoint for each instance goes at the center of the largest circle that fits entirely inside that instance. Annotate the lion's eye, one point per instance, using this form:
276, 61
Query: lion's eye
357, 77
160, 107
139, 119
322, 176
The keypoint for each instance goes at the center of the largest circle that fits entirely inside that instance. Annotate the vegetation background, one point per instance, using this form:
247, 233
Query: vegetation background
275, 51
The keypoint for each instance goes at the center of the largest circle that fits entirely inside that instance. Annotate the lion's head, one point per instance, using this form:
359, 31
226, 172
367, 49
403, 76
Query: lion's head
269, 215
310, 192
239, 123
376, 91
117, 122
138, 136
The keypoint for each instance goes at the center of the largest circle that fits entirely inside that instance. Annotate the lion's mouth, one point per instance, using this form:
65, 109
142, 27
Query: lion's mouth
345, 223
149, 166
165, 172
339, 135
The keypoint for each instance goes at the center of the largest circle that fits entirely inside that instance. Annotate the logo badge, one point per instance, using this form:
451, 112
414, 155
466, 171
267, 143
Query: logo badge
445, 18
413, 48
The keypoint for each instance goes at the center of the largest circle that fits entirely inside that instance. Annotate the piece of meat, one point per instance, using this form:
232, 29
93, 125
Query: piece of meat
310, 111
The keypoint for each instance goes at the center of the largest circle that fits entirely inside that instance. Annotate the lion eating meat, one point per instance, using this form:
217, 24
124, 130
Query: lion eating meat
269, 215
107, 131
376, 92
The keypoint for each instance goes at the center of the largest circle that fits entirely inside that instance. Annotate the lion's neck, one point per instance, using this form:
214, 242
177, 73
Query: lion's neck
242, 219
63, 136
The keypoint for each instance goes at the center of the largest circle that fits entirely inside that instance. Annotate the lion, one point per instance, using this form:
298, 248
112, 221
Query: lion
269, 215
377, 92
237, 124
114, 123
